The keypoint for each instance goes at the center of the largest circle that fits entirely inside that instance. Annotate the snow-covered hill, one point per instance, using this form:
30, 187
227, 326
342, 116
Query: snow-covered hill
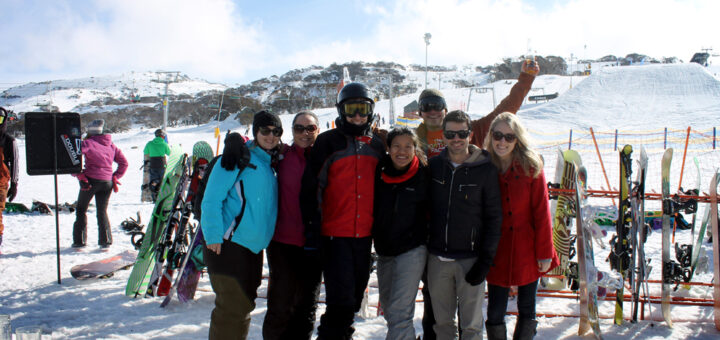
69, 95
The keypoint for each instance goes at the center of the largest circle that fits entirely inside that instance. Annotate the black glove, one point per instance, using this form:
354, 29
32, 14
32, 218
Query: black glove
85, 186
477, 273
312, 241
12, 192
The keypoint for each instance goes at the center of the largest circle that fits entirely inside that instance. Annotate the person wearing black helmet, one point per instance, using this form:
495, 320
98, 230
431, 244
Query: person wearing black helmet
337, 206
154, 154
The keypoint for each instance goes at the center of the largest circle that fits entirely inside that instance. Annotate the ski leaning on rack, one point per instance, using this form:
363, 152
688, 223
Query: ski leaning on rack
620, 257
169, 246
697, 244
189, 235
142, 270
587, 274
565, 173
639, 234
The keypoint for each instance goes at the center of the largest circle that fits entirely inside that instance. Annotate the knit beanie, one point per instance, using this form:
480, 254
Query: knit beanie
264, 118
430, 93
95, 127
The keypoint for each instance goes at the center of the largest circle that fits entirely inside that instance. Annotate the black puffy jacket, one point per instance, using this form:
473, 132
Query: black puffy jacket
400, 209
466, 210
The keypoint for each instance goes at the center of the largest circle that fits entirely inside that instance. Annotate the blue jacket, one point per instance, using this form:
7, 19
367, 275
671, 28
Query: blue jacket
253, 195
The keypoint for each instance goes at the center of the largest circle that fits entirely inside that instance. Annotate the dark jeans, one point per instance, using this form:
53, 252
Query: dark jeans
295, 275
498, 298
101, 190
346, 268
235, 275
156, 176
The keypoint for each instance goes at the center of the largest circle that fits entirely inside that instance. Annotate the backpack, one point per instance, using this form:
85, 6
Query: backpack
200, 192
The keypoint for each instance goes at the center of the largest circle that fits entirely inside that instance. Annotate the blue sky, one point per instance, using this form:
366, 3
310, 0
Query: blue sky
238, 41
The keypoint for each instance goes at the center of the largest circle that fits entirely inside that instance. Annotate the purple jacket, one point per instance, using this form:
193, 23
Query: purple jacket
100, 152
290, 228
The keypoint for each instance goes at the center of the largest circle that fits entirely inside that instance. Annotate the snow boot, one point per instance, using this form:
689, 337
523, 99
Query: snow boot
496, 332
525, 329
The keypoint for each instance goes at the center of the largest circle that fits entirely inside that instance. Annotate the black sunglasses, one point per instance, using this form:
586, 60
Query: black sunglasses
432, 104
510, 137
302, 128
449, 134
266, 131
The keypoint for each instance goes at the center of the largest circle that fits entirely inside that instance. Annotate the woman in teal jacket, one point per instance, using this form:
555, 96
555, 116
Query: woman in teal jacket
239, 210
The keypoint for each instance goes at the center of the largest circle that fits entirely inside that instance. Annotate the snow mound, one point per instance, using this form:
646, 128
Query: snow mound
630, 97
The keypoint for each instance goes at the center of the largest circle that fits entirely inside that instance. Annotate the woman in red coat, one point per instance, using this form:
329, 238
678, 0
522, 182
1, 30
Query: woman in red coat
526, 249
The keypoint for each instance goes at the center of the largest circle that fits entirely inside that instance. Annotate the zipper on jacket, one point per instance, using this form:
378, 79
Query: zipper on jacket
447, 218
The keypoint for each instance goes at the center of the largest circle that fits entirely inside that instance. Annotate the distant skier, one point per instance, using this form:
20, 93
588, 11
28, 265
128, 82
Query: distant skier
154, 155
432, 109
8, 167
98, 180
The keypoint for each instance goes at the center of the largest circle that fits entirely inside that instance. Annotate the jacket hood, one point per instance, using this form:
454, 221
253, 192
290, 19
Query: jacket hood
102, 139
158, 140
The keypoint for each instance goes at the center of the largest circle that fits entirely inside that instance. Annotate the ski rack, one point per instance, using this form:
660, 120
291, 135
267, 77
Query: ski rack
615, 194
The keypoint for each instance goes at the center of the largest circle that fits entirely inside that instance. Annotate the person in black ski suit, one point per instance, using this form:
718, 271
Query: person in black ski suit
8, 167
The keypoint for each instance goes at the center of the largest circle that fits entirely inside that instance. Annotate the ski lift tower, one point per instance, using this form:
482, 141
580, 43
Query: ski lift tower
427, 43
391, 110
167, 78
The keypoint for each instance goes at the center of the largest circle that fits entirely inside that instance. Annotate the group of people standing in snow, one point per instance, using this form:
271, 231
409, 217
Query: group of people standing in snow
454, 204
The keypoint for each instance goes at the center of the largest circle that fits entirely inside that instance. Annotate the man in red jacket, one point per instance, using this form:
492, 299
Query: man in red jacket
337, 206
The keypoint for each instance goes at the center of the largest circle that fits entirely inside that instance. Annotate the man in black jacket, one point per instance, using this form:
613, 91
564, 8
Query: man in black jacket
466, 216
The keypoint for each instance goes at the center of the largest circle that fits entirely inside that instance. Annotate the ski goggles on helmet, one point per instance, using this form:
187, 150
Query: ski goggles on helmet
498, 136
302, 128
450, 134
2, 119
428, 104
266, 131
363, 109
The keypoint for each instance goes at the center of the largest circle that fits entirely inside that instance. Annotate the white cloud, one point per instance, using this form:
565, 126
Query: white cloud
217, 40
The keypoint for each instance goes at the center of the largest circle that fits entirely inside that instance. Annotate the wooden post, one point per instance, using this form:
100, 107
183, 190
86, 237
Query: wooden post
592, 133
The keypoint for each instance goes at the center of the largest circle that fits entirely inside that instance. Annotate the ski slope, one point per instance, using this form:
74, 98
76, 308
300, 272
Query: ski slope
654, 96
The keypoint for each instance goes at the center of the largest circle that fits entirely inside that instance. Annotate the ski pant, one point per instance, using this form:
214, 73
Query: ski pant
293, 288
346, 268
428, 320
498, 299
156, 176
235, 275
450, 293
3, 197
399, 278
101, 190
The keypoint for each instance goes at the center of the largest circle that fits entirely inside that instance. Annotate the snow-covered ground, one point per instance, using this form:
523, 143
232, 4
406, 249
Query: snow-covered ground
632, 99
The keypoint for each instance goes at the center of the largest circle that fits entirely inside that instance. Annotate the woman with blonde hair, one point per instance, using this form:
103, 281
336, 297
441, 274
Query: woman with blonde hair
526, 250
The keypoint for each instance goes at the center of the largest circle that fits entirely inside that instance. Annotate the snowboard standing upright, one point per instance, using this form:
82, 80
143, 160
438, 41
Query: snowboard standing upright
146, 192
666, 231
143, 268
565, 174
621, 258
716, 248
587, 273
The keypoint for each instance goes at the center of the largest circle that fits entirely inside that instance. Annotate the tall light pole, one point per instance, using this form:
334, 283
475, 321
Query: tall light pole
427, 42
